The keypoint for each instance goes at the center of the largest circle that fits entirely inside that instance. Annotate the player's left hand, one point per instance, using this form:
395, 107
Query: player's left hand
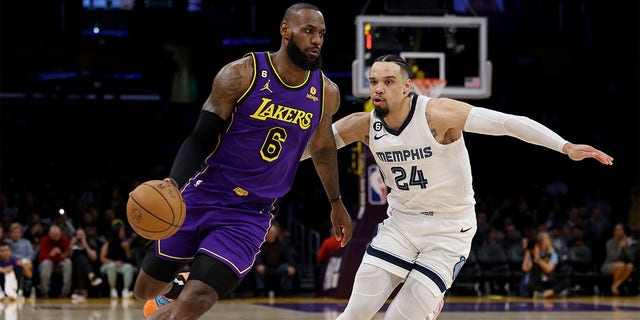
342, 225
579, 152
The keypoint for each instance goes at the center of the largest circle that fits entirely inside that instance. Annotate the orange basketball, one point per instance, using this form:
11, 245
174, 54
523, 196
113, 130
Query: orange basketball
156, 209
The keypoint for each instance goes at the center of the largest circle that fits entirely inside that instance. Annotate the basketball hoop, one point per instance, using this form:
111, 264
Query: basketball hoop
431, 87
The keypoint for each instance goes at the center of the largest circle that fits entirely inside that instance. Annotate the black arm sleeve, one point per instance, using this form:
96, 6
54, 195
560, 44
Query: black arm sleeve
198, 145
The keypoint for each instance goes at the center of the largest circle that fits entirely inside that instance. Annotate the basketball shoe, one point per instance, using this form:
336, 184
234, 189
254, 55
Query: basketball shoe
157, 303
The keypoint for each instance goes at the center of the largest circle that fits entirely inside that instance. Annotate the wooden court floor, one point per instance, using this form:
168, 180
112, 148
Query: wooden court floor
456, 308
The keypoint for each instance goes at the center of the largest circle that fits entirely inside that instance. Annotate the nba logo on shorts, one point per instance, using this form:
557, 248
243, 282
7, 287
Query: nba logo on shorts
377, 188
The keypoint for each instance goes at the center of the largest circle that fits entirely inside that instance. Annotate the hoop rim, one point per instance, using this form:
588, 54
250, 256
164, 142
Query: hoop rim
431, 87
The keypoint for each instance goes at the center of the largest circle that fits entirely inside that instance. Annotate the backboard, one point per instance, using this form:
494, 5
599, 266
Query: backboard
447, 47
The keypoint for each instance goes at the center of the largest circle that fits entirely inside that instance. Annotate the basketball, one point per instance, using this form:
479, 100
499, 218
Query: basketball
156, 209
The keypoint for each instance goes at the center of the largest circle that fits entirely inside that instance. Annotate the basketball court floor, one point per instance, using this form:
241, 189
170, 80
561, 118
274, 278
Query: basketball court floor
456, 308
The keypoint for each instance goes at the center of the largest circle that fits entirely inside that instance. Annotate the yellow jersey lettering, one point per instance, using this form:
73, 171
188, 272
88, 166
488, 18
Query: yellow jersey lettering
268, 110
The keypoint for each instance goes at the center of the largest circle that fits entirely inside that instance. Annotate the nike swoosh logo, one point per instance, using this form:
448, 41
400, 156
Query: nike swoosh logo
465, 230
376, 137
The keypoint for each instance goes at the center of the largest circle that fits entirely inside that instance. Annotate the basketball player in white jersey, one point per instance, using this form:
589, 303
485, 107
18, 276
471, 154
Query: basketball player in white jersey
418, 144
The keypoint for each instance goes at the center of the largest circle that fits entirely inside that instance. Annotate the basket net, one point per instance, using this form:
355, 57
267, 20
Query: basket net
431, 87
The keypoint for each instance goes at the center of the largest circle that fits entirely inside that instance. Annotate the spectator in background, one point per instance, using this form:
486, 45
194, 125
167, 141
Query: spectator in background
619, 259
93, 238
539, 265
275, 263
327, 247
54, 255
597, 229
88, 219
21, 248
138, 248
106, 222
577, 237
574, 216
512, 235
558, 240
553, 219
35, 229
597, 225
116, 258
84, 258
568, 235
11, 273
484, 228
64, 221
22, 251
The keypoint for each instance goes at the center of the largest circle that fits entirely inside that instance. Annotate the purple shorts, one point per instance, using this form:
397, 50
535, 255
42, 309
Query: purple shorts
221, 224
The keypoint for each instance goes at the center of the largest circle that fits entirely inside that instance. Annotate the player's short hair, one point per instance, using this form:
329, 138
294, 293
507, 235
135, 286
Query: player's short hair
294, 8
404, 66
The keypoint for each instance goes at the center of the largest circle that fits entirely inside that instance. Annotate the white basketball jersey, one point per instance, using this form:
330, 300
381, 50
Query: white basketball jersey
424, 176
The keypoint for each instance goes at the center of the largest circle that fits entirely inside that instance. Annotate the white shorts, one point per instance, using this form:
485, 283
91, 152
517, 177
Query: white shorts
431, 249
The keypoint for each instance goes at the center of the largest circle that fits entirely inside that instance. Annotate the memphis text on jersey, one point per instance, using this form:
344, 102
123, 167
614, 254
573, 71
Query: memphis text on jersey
405, 155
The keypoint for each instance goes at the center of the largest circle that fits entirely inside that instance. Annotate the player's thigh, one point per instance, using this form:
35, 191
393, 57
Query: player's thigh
389, 250
442, 261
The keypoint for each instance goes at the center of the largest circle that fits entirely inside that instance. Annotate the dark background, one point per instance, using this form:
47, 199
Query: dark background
572, 65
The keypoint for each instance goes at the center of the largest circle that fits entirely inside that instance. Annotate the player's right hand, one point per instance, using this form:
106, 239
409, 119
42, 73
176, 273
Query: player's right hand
342, 224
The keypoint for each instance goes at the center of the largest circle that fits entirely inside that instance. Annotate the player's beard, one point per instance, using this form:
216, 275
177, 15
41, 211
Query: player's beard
381, 112
300, 59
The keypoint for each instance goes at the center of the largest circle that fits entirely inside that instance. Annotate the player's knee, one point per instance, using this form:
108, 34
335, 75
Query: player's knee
414, 301
142, 292
198, 297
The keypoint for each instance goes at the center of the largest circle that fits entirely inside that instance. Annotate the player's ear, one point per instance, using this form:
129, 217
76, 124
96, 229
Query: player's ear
284, 29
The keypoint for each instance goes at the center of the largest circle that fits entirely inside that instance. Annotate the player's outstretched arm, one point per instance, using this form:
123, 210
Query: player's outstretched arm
579, 152
486, 121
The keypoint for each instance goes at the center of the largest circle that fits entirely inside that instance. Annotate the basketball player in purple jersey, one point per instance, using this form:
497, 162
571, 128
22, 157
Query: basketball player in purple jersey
240, 159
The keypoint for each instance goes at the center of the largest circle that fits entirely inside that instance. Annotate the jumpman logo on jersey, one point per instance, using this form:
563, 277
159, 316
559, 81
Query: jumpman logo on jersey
266, 86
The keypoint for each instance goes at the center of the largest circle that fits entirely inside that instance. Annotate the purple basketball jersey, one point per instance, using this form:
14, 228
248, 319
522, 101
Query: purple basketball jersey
273, 122
230, 201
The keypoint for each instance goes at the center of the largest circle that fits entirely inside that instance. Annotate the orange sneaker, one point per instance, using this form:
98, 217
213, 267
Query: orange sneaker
153, 305
157, 303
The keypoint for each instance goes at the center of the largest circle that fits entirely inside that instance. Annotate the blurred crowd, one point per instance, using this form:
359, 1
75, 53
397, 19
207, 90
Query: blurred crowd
81, 246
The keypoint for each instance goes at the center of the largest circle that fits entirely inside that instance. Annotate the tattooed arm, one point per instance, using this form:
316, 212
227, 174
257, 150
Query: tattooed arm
228, 86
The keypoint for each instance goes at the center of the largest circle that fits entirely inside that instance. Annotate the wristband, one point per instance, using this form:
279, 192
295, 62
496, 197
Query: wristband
338, 198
